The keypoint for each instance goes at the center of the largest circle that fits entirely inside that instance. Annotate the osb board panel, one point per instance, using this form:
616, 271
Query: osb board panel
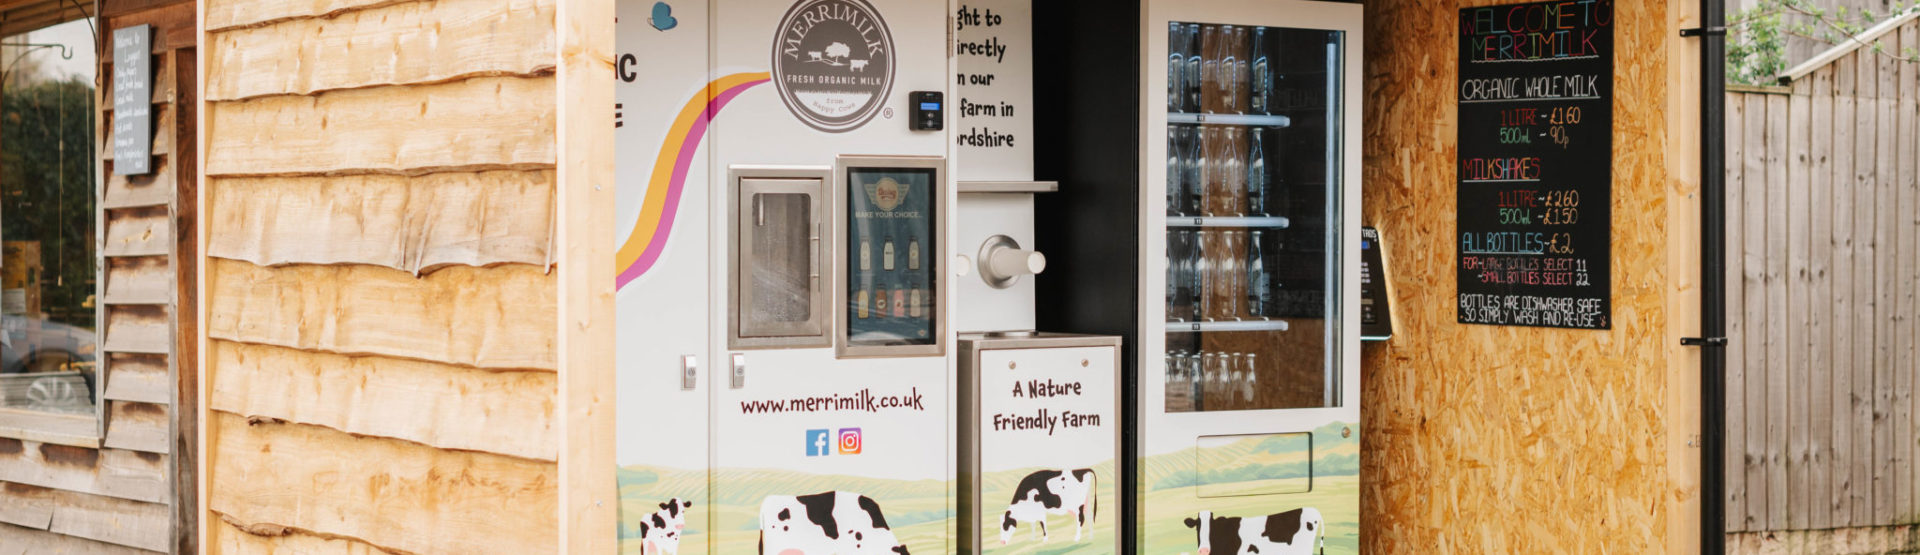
416, 224
1475, 432
224, 14
137, 426
479, 123
105, 519
399, 44
388, 493
498, 317
451, 407
16, 540
110, 472
225, 537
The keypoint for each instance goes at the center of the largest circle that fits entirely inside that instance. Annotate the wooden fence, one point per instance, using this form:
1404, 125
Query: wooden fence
1823, 271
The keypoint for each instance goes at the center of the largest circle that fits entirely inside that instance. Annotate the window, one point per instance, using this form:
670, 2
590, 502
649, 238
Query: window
48, 348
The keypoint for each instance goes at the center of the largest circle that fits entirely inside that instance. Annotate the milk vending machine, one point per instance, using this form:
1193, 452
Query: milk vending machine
1245, 209
785, 383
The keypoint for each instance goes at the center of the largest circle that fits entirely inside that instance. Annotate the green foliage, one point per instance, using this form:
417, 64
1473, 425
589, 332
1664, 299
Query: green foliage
47, 187
1757, 37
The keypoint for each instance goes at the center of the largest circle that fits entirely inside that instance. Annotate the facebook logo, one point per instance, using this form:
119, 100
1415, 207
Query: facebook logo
820, 443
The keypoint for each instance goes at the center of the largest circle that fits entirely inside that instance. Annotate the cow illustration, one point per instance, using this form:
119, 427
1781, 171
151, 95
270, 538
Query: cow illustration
813, 56
660, 531
858, 65
1058, 492
826, 523
1288, 533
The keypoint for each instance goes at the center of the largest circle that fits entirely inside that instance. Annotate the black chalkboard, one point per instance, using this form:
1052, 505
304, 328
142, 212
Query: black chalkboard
132, 100
1535, 179
1376, 307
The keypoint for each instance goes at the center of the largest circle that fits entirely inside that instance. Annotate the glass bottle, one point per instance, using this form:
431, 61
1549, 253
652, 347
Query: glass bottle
1259, 295
1249, 383
1176, 171
1176, 67
1192, 74
1261, 74
1257, 173
1203, 268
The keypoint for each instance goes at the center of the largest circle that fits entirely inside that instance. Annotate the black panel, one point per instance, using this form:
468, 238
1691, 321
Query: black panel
1087, 136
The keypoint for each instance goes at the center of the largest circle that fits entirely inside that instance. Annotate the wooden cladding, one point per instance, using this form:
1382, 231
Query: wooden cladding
1823, 277
382, 305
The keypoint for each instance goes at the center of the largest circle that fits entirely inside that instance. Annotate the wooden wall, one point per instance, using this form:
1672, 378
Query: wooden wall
1823, 272
381, 349
1500, 439
125, 493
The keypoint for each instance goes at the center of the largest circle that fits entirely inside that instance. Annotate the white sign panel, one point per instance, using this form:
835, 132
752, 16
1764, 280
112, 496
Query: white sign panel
994, 131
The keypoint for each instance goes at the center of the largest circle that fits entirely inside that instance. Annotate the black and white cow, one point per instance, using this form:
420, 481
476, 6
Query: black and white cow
827, 523
1288, 533
660, 531
1059, 492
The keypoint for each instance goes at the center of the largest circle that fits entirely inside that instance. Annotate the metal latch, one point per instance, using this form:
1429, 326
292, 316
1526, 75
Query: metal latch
1716, 31
739, 375
689, 372
1704, 341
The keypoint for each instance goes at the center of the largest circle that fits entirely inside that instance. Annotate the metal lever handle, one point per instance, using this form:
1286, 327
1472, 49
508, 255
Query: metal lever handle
689, 372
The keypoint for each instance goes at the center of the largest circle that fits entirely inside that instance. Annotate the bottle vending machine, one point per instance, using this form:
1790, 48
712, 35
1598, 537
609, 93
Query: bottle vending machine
1249, 340
785, 378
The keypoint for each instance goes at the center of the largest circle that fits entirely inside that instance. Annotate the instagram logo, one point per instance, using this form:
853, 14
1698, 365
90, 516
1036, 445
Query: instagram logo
849, 441
817, 445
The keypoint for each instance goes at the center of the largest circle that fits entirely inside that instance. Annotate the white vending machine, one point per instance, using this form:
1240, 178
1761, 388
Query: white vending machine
1249, 393
784, 359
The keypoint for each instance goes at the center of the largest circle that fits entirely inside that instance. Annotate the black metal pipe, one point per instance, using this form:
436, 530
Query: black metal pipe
1713, 276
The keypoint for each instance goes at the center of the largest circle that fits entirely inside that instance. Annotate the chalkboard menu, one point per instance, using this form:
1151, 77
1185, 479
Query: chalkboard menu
132, 100
1535, 165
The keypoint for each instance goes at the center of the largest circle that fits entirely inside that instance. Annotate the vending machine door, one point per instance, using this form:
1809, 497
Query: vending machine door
1249, 341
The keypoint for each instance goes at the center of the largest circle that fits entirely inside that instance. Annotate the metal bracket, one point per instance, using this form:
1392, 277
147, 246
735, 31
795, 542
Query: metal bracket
1704, 341
739, 374
1704, 31
689, 372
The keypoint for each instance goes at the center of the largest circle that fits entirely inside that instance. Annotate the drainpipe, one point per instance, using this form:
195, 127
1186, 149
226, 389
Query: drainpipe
1713, 275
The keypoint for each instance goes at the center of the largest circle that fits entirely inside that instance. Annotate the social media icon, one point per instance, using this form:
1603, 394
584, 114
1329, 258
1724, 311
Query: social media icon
849, 441
819, 443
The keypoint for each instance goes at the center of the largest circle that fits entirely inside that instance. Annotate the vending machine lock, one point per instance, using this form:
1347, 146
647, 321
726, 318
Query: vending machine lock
927, 112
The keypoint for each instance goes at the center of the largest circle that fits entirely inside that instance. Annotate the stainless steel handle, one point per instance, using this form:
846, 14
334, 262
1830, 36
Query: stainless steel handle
689, 372
813, 269
739, 374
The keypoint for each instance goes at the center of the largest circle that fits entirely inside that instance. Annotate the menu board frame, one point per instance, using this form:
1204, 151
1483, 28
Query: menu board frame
1534, 165
854, 337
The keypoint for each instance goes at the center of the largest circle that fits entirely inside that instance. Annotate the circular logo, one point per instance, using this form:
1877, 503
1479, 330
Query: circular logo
833, 63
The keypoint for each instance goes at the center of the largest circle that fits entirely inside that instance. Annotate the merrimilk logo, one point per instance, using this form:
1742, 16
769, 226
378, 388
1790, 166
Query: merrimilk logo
886, 194
833, 63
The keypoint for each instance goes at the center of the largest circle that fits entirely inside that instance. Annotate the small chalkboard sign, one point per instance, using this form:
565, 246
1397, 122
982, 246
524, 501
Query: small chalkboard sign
1376, 306
133, 100
1535, 168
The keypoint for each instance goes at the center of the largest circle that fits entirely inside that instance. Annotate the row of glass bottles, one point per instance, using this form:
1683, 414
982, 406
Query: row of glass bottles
1221, 170
1222, 69
1218, 275
1210, 381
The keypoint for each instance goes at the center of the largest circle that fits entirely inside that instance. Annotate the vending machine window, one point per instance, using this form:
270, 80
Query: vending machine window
1253, 177
779, 298
891, 256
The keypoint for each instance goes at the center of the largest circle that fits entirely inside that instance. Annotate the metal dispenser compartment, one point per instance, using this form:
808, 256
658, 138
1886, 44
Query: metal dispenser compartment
779, 296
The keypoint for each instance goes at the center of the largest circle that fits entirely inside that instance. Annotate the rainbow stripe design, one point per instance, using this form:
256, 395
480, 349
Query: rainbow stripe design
649, 236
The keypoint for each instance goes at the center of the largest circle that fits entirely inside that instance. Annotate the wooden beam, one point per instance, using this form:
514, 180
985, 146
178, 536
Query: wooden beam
226, 14
137, 427
585, 326
137, 377
226, 537
15, 540
138, 232
388, 493
407, 43
137, 280
484, 317
474, 124
110, 472
138, 329
414, 224
422, 402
